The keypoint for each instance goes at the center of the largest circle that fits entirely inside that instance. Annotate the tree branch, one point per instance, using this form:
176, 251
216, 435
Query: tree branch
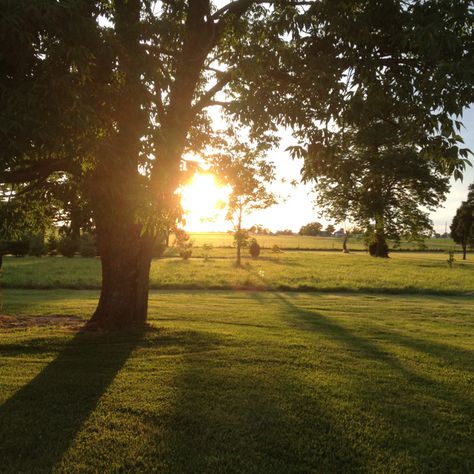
206, 98
39, 170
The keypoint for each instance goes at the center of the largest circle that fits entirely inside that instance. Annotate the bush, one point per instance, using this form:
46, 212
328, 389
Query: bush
183, 244
52, 245
276, 249
88, 246
254, 249
19, 248
68, 247
159, 248
206, 249
37, 246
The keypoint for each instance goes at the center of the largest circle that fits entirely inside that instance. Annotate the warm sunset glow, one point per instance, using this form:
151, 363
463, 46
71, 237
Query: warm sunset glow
204, 202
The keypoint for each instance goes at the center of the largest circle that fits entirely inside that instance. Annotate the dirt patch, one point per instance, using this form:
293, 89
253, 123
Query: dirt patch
56, 320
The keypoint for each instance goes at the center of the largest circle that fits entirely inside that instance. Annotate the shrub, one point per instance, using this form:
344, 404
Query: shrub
159, 248
88, 246
52, 245
183, 244
68, 247
276, 249
19, 248
254, 248
206, 248
37, 246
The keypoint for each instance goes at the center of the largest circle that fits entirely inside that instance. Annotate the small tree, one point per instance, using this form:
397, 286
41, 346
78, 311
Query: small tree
330, 229
245, 167
462, 227
313, 228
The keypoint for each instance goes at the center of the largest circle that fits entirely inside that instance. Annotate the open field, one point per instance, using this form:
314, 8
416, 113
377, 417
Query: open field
415, 273
223, 239
240, 382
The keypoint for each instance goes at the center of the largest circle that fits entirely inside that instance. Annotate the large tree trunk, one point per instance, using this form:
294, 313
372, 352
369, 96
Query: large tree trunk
380, 247
464, 251
126, 258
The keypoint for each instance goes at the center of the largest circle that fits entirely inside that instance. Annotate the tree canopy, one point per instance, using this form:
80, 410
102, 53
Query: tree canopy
112, 94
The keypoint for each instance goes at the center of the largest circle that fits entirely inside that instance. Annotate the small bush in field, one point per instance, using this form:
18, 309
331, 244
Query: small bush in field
254, 248
451, 259
207, 248
183, 244
19, 248
88, 246
37, 246
276, 249
68, 247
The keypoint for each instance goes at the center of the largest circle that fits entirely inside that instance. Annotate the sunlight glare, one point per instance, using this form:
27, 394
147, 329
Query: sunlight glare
204, 202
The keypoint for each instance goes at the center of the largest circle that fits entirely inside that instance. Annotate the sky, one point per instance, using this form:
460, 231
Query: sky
296, 206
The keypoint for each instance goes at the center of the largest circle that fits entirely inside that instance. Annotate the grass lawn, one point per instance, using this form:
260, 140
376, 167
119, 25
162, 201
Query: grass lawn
223, 239
414, 273
239, 382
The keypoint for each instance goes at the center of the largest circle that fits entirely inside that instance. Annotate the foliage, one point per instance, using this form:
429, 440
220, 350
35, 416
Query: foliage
313, 228
135, 80
19, 248
183, 243
37, 247
207, 248
68, 246
450, 259
462, 226
243, 165
254, 248
330, 229
88, 245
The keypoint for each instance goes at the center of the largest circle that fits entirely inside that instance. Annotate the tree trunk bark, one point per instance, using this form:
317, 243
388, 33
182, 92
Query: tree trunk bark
381, 247
464, 252
126, 259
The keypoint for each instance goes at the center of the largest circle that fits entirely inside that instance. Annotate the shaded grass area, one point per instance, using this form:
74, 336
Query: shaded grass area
411, 273
242, 382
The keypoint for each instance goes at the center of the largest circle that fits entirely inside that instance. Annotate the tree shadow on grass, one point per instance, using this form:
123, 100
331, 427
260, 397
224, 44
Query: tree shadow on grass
242, 411
427, 419
39, 422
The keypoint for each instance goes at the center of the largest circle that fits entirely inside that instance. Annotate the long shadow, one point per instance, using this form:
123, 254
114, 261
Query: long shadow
39, 422
235, 415
420, 414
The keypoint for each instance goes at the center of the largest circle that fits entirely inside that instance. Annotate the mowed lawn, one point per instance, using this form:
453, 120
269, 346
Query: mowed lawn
413, 273
254, 382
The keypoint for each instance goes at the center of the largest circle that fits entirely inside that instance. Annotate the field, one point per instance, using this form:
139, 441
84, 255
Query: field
361, 365
411, 272
301, 242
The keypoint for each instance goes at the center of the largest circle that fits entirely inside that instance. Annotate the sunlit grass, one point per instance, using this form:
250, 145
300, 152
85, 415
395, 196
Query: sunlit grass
411, 272
242, 382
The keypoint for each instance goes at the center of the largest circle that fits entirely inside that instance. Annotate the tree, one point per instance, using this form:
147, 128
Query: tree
112, 94
313, 229
462, 227
330, 229
247, 170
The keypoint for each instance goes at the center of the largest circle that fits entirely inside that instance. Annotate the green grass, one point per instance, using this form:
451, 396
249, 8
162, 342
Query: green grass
415, 273
223, 239
241, 382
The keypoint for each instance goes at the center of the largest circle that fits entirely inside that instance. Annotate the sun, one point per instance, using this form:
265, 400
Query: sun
204, 201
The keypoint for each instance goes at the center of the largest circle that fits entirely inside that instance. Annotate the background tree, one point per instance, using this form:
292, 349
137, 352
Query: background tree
330, 229
462, 227
247, 170
313, 228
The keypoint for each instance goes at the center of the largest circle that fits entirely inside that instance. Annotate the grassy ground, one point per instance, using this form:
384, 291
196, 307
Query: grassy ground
415, 273
240, 382
223, 239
